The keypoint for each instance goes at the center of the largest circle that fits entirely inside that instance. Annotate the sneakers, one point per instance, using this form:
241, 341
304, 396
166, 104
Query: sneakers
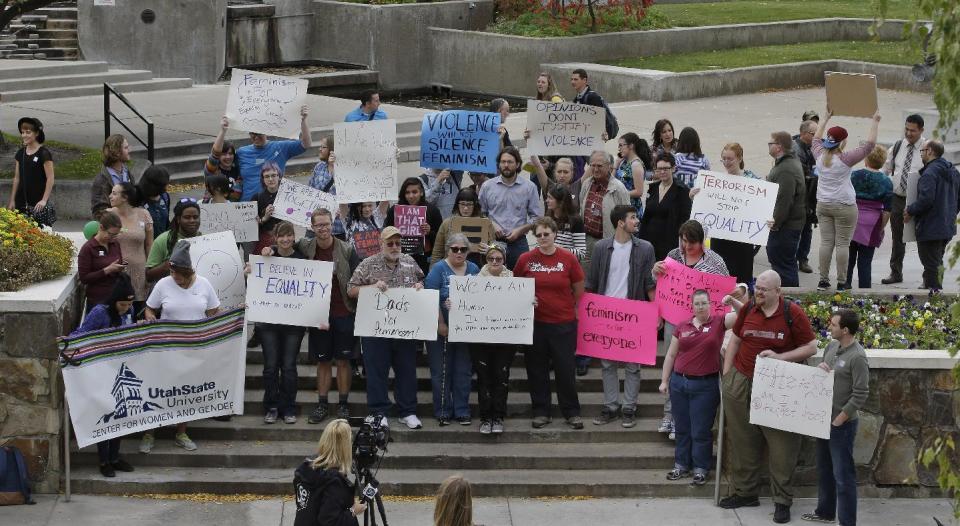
813, 517
699, 479
497, 427
677, 474
443, 421
823, 285
107, 471
736, 501
182, 440
122, 465
290, 419
582, 370
891, 279
606, 416
540, 421
665, 425
411, 421
781, 513
146, 443
343, 411
318, 414
628, 419
464, 420
486, 427
842, 287
575, 422
270, 417
805, 267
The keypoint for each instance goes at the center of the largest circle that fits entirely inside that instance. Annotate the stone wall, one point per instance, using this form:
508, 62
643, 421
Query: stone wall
271, 33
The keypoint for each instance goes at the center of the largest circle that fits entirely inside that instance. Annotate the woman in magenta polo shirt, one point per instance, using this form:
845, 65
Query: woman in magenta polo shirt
691, 370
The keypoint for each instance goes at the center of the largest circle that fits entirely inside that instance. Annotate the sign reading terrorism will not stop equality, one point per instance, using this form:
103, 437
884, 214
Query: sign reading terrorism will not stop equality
460, 140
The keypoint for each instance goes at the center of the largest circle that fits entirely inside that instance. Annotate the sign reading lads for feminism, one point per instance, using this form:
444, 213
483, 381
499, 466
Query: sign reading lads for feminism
289, 291
486, 309
792, 396
677, 284
402, 313
460, 140
296, 202
264, 103
564, 128
734, 207
366, 160
617, 329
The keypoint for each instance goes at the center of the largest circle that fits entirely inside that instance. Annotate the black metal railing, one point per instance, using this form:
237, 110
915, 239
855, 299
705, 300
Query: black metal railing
108, 89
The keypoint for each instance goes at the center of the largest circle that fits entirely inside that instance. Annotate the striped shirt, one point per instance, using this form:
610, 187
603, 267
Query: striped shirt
710, 263
688, 165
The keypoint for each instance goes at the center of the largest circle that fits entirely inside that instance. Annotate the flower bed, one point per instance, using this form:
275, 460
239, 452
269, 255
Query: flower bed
28, 254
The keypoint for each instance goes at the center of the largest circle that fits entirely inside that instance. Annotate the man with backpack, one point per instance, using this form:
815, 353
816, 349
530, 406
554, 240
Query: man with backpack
586, 95
771, 327
903, 165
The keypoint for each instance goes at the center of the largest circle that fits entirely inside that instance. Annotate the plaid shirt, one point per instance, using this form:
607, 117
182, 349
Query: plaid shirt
405, 273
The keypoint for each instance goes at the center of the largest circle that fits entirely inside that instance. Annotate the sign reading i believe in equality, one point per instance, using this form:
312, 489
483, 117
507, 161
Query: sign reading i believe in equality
460, 140
617, 329
296, 202
366, 160
402, 313
264, 103
734, 207
792, 396
486, 309
289, 291
564, 128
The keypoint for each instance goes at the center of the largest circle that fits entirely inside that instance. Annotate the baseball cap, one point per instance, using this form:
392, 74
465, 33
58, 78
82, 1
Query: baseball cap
811, 115
835, 136
389, 232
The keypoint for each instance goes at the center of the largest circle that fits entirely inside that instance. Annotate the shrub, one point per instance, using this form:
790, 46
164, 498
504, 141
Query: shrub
28, 254
534, 18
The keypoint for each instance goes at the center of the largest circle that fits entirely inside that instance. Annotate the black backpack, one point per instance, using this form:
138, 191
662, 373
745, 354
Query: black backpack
613, 127
14, 487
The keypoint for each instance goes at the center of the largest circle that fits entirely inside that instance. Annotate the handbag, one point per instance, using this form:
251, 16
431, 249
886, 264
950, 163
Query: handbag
46, 216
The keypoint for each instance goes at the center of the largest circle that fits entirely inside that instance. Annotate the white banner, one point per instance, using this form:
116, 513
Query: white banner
217, 258
289, 291
564, 128
141, 377
296, 202
402, 313
792, 396
264, 103
734, 207
366, 168
486, 309
239, 218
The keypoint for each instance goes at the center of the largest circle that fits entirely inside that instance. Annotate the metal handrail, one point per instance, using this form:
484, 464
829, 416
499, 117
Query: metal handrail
107, 114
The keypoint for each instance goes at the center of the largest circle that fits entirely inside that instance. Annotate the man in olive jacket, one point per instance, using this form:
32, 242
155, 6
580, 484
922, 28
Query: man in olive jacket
790, 211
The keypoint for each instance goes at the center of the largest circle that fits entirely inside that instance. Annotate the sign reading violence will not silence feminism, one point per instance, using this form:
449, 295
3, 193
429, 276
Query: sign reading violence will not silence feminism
296, 202
564, 128
239, 218
617, 329
460, 140
217, 258
289, 291
485, 309
793, 397
678, 283
264, 103
366, 160
734, 207
402, 313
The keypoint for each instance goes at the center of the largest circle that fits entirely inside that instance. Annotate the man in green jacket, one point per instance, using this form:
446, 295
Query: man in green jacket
789, 213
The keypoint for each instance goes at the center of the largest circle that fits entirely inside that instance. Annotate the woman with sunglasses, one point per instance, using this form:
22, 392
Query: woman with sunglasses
100, 260
467, 204
668, 206
419, 247
185, 224
450, 369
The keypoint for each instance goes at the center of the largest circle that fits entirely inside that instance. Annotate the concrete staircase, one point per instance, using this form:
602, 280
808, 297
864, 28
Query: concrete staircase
46, 33
54, 80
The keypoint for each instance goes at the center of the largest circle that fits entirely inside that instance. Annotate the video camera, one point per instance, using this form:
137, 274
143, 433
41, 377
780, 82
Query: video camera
371, 438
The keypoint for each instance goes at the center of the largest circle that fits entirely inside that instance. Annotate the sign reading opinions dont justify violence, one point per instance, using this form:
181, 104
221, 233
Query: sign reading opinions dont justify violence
460, 140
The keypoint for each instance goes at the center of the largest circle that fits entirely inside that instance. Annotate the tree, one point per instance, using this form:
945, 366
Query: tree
10, 9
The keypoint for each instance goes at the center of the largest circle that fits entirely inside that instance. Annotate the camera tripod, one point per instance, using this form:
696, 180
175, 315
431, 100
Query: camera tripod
369, 488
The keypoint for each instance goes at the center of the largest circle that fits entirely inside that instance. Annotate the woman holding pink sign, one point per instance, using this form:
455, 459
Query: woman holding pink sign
417, 246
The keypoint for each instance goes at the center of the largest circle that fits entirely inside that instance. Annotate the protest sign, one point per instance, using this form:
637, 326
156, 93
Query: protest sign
264, 103
402, 313
217, 258
408, 218
366, 160
793, 397
617, 329
734, 207
460, 140
289, 291
564, 128
296, 202
137, 378
851, 94
477, 229
485, 309
366, 243
677, 284
239, 218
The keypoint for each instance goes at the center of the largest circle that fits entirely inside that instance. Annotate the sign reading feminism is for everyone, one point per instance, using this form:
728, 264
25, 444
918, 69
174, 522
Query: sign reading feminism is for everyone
617, 329
460, 140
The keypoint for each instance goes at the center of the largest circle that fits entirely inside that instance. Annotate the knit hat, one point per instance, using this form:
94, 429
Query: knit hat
122, 290
180, 256
835, 136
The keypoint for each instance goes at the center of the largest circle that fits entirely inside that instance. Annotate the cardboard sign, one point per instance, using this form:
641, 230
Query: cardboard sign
564, 128
408, 219
264, 103
460, 140
402, 313
851, 94
677, 284
217, 258
617, 329
366, 160
486, 309
477, 229
793, 397
296, 202
239, 218
734, 207
366, 243
289, 291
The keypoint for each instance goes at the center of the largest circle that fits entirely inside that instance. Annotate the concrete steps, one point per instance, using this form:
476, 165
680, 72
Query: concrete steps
45, 33
41, 80
95, 89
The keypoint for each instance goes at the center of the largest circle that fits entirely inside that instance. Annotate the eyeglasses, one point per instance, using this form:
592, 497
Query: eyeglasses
465, 203
322, 226
771, 143
662, 170
543, 234
924, 149
112, 234
764, 289
459, 250
271, 176
393, 243
495, 259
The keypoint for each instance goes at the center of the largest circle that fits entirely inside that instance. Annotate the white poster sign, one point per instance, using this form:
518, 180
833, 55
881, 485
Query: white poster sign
366, 160
402, 313
734, 207
564, 128
137, 378
217, 258
239, 218
289, 291
296, 202
792, 396
264, 103
486, 309
910, 227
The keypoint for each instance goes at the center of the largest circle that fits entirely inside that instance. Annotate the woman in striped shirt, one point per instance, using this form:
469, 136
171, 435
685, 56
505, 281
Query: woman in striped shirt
690, 159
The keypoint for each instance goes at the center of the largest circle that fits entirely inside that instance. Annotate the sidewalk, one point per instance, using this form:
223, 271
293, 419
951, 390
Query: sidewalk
87, 510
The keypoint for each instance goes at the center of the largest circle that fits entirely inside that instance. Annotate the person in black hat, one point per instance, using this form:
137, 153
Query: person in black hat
32, 173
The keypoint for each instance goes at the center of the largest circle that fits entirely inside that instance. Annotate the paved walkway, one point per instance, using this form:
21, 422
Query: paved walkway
86, 510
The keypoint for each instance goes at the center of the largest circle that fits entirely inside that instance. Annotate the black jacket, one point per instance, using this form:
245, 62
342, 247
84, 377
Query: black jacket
590, 98
935, 209
324, 497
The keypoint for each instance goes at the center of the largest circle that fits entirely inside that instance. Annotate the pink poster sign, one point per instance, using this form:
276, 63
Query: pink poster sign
617, 329
408, 219
678, 283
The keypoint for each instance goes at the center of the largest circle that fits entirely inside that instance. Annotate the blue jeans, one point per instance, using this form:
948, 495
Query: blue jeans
861, 258
782, 254
695, 402
379, 355
516, 249
837, 487
450, 374
806, 238
281, 344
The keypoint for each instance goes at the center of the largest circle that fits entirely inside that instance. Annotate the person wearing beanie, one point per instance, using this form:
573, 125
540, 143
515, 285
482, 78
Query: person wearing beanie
32, 182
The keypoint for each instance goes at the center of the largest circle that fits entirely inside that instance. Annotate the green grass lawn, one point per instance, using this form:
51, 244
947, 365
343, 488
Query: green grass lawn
882, 52
69, 161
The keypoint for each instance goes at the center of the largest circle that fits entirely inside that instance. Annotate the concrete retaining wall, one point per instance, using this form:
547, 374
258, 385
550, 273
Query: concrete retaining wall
271, 33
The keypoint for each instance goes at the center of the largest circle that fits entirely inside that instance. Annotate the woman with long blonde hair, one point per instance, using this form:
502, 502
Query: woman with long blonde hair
323, 493
454, 503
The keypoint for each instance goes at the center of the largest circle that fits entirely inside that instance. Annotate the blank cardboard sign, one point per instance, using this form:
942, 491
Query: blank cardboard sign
851, 94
